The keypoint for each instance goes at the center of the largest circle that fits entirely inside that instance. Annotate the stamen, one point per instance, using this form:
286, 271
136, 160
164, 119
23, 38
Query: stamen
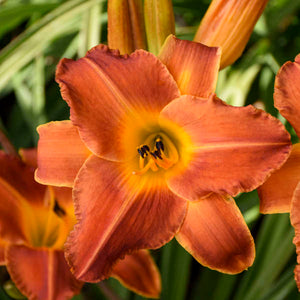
58, 210
157, 156
143, 151
159, 144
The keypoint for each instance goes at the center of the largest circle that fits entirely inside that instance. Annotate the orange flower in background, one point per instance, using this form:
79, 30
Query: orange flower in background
154, 154
34, 223
281, 192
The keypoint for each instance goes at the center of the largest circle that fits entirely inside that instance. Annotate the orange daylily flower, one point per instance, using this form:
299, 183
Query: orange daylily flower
34, 223
160, 155
229, 24
281, 192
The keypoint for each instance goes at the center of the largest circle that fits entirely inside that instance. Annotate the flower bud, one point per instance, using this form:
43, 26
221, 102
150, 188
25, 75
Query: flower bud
159, 21
126, 30
229, 24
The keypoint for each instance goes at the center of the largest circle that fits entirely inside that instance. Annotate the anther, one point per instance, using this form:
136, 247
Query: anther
143, 151
58, 210
158, 153
159, 145
146, 148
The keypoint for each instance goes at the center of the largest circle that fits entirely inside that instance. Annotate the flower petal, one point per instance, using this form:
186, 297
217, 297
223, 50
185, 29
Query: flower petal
29, 156
3, 245
276, 193
41, 273
61, 153
194, 66
234, 149
13, 208
21, 177
123, 213
139, 273
295, 221
215, 233
287, 92
229, 24
18, 193
104, 88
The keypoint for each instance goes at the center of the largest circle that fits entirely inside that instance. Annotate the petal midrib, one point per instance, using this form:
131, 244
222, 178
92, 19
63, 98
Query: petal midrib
238, 145
108, 82
113, 226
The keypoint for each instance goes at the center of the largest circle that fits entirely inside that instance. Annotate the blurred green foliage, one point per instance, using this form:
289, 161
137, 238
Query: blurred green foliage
36, 34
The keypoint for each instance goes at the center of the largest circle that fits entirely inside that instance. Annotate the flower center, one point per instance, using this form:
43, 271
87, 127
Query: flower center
158, 151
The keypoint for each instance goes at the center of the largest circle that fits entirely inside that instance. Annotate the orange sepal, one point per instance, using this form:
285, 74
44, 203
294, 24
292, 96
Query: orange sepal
233, 149
139, 273
41, 273
104, 88
215, 233
117, 213
61, 153
287, 92
194, 66
229, 24
276, 193
295, 221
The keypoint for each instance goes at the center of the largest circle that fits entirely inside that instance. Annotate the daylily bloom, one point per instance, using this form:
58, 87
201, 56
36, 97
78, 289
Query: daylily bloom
34, 223
154, 154
281, 192
229, 24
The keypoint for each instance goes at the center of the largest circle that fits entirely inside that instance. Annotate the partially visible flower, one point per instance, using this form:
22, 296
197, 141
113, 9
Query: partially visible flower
164, 154
228, 24
34, 223
281, 192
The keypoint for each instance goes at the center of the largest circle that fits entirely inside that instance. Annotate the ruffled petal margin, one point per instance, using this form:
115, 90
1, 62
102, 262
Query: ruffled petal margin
277, 192
41, 273
295, 221
61, 153
122, 213
287, 92
194, 66
139, 273
234, 149
103, 89
215, 233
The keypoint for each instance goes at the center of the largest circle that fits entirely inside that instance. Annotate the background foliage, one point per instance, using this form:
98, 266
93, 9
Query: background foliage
36, 34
